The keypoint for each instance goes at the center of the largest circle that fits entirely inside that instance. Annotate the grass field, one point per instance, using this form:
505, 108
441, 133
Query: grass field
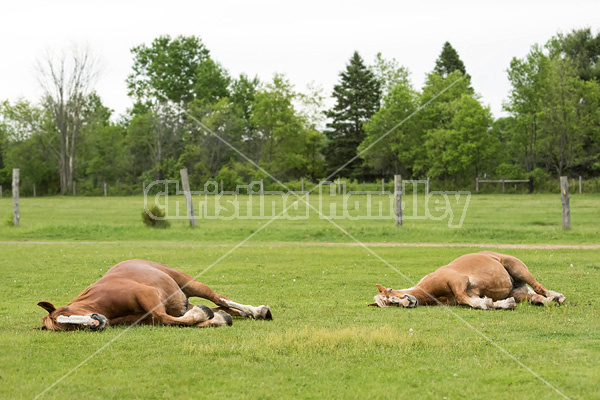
324, 342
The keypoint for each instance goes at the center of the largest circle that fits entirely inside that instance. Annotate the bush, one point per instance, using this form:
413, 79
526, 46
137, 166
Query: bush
542, 181
229, 177
150, 218
510, 171
9, 220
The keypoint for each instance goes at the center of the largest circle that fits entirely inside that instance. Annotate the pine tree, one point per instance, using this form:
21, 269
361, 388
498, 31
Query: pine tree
449, 61
357, 99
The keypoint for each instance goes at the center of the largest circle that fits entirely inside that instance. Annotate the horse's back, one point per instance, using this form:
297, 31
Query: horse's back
477, 264
487, 275
140, 271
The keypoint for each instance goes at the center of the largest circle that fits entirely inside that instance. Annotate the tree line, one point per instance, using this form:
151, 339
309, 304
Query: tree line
188, 111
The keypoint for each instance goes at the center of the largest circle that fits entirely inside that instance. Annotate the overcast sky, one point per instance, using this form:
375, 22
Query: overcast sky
308, 40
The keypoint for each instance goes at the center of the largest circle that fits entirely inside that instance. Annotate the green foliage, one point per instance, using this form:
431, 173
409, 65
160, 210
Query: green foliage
26, 137
555, 113
398, 151
541, 180
457, 130
288, 146
357, 98
582, 48
169, 68
510, 171
229, 177
8, 220
449, 62
153, 217
212, 82
441, 130
389, 73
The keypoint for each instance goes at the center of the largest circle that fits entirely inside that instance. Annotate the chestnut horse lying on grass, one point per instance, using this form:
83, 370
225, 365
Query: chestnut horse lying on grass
485, 280
147, 293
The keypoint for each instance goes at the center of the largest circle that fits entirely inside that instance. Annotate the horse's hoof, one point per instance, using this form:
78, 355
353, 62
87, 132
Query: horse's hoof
209, 313
268, 315
222, 319
555, 296
265, 313
511, 303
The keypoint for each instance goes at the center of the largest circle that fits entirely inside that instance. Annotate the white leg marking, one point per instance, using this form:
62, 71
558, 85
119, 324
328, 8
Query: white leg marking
248, 311
506, 304
485, 303
220, 318
196, 314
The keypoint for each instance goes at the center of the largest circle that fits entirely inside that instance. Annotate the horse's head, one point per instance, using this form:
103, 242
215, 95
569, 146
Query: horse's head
388, 297
68, 319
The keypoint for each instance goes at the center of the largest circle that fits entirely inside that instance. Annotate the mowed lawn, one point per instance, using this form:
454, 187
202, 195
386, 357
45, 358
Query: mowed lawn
487, 219
324, 342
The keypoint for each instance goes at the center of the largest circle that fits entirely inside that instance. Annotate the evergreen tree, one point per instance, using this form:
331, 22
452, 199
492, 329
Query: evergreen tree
357, 99
449, 61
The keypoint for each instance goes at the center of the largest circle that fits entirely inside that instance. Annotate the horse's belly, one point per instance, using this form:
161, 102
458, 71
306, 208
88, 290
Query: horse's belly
496, 288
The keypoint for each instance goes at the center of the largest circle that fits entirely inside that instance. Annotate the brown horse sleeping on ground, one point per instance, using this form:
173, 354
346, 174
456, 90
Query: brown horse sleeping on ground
485, 280
145, 292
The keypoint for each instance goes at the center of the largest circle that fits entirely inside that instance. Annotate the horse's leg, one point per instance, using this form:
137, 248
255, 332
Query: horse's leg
152, 304
459, 284
524, 293
519, 272
194, 288
220, 318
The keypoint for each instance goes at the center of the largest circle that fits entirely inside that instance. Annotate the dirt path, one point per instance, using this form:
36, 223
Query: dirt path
326, 244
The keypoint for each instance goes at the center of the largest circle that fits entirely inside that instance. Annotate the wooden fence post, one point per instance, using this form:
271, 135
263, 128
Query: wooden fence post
398, 193
580, 184
221, 186
503, 185
104, 189
262, 187
427, 186
476, 184
530, 184
34, 190
382, 185
0, 191
564, 198
302, 186
73, 188
15, 196
339, 185
188, 196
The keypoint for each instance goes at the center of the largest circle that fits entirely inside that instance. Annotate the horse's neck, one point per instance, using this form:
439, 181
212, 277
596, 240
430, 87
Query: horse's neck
83, 304
82, 308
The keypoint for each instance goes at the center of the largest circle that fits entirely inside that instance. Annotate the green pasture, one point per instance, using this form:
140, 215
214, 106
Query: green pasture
487, 219
324, 342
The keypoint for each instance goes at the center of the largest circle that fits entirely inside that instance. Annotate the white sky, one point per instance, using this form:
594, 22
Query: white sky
308, 40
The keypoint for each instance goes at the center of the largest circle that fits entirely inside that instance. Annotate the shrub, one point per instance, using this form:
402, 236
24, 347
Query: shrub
510, 171
229, 177
150, 218
9, 220
542, 181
